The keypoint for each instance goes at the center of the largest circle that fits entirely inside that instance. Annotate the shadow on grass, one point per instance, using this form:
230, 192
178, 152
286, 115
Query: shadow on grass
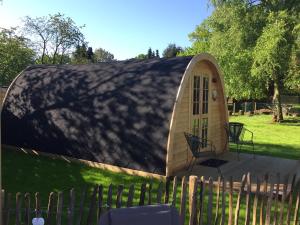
291, 122
275, 150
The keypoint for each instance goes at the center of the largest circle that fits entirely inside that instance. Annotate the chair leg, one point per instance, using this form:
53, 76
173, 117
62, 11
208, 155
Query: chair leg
238, 152
253, 150
190, 163
193, 164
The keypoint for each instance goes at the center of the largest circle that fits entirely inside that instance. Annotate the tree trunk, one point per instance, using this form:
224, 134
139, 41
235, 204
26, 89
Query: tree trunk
61, 57
54, 57
44, 50
277, 98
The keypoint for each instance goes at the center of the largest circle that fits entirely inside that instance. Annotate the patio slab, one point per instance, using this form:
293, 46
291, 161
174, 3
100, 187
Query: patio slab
258, 166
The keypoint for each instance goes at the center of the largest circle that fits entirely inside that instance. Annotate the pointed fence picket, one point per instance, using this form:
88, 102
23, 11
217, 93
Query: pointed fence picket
199, 201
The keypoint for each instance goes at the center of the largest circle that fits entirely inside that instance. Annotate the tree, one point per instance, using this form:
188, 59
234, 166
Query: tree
171, 51
272, 54
101, 55
80, 55
54, 36
39, 29
157, 53
90, 54
15, 55
150, 53
247, 38
141, 56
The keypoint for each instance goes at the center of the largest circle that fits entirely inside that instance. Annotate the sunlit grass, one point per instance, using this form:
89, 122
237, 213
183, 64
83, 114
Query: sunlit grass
274, 139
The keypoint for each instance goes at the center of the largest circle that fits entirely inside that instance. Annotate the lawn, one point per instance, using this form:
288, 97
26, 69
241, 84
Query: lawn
32, 173
274, 139
23, 173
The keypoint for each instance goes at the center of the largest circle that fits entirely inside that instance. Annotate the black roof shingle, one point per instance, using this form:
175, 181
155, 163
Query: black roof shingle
116, 113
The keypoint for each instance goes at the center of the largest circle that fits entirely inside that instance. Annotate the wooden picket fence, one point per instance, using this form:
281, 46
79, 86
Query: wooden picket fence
198, 200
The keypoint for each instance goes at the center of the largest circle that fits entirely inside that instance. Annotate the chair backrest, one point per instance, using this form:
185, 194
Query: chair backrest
193, 141
234, 131
146, 215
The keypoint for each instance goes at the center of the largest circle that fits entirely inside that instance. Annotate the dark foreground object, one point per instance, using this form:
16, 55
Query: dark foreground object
141, 215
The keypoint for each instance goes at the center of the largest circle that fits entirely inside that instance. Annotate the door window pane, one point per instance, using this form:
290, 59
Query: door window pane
196, 95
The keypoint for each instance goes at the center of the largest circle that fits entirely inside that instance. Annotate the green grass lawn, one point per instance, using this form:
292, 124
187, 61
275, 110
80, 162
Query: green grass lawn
23, 173
31, 173
274, 139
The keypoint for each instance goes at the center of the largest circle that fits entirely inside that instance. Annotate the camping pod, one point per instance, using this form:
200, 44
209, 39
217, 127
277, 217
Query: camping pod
130, 114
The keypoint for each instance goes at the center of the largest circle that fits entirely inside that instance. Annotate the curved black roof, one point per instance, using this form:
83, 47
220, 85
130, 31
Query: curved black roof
116, 113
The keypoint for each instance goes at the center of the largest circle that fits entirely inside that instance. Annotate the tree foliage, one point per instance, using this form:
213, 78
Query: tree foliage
171, 51
80, 55
150, 54
15, 55
255, 42
53, 36
101, 55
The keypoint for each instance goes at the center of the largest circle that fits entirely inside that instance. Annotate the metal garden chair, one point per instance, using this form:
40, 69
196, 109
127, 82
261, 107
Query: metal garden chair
197, 146
236, 134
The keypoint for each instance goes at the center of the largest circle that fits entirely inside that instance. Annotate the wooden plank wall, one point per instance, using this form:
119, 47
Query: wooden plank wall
179, 152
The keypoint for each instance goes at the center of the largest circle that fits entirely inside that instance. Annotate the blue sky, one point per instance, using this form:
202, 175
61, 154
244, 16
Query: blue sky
126, 28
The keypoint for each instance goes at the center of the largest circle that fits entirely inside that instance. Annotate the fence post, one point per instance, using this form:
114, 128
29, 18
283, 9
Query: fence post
109, 196
290, 203
100, 201
49, 209
183, 200
230, 216
159, 193
37, 205
218, 200
18, 208
283, 198
276, 200
27, 209
92, 206
174, 192
263, 199
247, 216
193, 199
202, 190
81, 206
269, 205
167, 191
119, 196
2, 206
6, 215
59, 208
71, 207
296, 219
130, 195
223, 215
150, 192
238, 203
255, 201
210, 200
142, 194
